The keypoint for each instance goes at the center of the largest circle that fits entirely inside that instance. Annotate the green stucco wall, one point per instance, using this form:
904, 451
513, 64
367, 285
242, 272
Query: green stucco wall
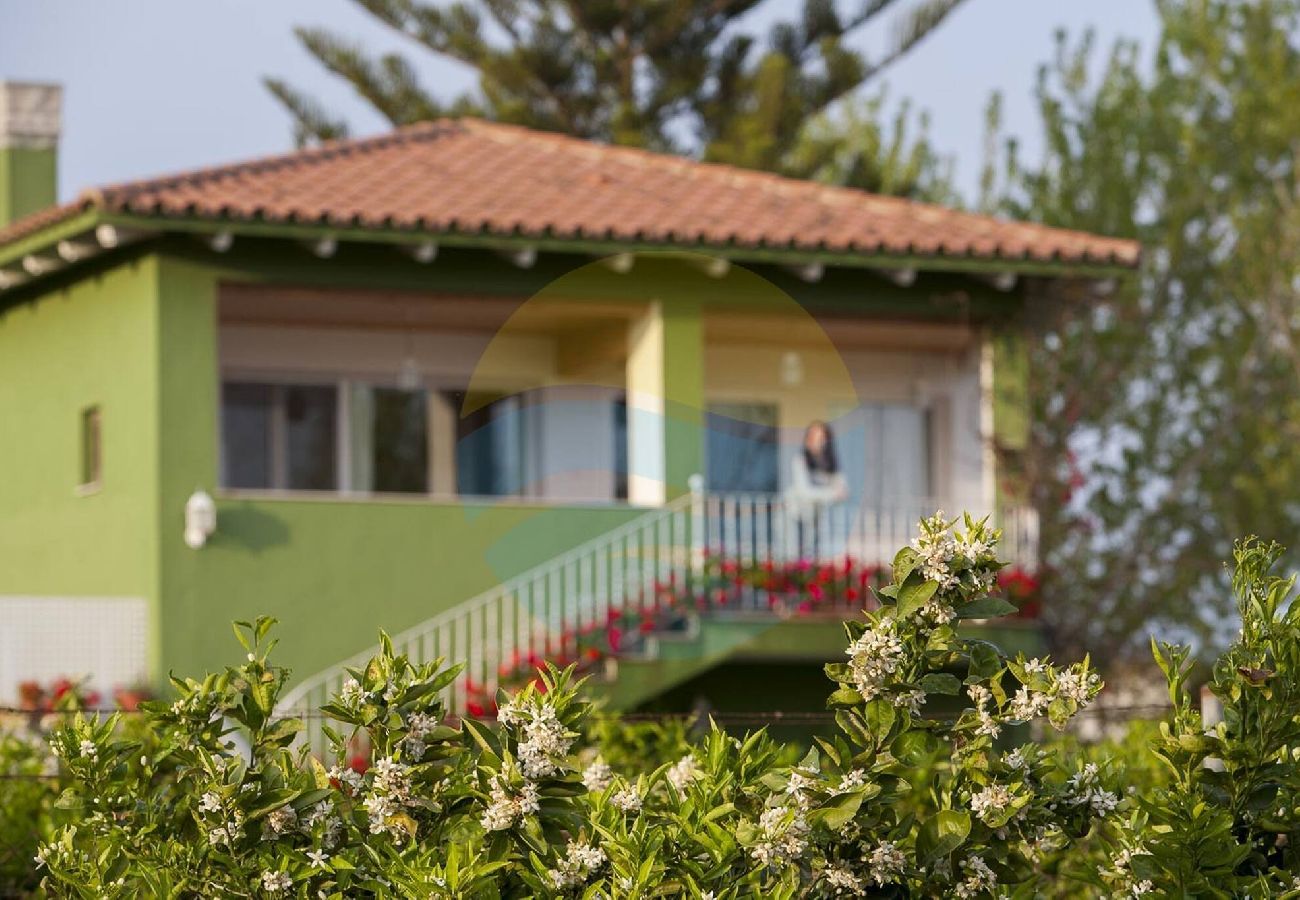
28, 181
92, 343
333, 571
140, 340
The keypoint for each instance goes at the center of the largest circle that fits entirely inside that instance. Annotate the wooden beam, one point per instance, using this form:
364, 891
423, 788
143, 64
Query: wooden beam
325, 247
36, 266
76, 251
10, 279
901, 277
108, 236
810, 272
621, 262
424, 252
523, 257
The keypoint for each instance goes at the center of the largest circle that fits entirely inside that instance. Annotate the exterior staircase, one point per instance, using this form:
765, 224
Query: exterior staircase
664, 598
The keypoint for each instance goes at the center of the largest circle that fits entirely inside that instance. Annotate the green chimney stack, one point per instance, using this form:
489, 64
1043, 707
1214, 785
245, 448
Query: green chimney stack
30, 117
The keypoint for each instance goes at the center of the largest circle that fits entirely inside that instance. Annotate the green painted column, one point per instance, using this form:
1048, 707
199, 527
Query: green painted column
29, 137
188, 409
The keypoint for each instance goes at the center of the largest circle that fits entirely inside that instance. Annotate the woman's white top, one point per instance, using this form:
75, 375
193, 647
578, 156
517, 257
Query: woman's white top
810, 490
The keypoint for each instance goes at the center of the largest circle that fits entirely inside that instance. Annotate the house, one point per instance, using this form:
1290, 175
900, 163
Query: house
456, 380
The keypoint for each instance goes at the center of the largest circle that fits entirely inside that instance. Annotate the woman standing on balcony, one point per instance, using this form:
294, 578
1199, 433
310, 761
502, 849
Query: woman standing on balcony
816, 483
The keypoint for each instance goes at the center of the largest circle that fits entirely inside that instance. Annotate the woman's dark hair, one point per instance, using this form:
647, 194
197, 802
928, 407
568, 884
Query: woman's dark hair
825, 460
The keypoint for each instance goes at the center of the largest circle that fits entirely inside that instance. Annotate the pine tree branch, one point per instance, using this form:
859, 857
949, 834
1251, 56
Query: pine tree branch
310, 121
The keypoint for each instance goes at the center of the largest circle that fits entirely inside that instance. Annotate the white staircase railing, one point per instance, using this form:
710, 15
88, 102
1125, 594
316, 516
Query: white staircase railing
536, 615
542, 613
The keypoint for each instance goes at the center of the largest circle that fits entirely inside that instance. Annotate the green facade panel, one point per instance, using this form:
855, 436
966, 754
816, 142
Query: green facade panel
93, 344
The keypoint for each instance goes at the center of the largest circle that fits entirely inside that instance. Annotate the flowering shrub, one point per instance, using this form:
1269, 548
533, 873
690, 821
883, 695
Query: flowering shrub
27, 796
917, 795
223, 806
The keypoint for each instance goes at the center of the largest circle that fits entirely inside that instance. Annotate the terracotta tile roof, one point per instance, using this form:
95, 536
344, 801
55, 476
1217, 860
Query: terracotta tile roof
476, 177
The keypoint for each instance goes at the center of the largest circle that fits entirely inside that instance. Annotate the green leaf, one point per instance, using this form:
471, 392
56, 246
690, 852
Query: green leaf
985, 661
985, 608
912, 748
941, 834
839, 812
904, 562
941, 683
880, 717
844, 698
914, 595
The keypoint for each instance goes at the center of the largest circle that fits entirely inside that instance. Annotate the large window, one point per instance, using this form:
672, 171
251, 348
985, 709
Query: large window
742, 453
491, 436
279, 436
389, 432
366, 438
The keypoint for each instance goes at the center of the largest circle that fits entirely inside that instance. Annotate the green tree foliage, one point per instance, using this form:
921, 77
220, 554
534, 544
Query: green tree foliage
682, 76
1167, 414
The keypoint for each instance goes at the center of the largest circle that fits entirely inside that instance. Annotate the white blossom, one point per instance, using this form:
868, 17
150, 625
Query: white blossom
1084, 789
278, 821
506, 808
989, 800
683, 772
887, 863
597, 776
580, 862
911, 700
978, 878
936, 548
347, 777
1027, 704
276, 882
842, 881
782, 836
628, 800
1076, 685
851, 780
351, 693
875, 657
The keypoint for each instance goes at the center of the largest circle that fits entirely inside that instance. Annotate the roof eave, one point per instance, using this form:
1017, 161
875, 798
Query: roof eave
89, 219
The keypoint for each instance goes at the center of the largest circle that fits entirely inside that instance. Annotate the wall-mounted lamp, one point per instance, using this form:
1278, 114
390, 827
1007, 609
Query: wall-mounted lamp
200, 519
408, 374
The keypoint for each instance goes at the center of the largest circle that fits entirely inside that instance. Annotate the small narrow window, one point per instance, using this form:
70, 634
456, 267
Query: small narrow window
91, 447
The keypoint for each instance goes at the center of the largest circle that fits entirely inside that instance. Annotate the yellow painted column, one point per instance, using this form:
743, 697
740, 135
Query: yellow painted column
665, 399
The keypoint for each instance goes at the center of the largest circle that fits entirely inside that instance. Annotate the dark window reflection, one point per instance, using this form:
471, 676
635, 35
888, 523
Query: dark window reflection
400, 439
311, 437
246, 411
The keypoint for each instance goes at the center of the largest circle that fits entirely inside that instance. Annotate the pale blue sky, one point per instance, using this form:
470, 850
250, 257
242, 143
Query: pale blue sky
154, 86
